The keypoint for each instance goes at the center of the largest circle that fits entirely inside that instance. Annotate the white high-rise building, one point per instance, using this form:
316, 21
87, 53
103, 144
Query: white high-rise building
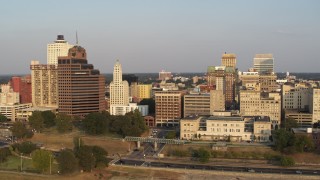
263, 63
60, 47
316, 105
119, 90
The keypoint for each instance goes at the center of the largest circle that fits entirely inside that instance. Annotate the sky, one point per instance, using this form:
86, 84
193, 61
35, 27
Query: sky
153, 35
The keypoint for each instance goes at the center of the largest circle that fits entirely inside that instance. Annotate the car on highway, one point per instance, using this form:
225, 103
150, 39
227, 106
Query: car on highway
251, 170
298, 172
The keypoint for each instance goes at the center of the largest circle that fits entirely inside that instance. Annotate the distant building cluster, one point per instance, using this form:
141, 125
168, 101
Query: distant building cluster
223, 104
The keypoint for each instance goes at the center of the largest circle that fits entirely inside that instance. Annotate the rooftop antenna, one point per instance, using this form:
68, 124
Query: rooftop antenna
76, 37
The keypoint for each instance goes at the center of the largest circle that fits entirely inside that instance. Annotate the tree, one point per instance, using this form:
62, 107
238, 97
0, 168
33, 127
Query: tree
41, 159
316, 125
171, 135
26, 147
67, 161
19, 130
303, 143
100, 155
202, 154
36, 121
4, 153
63, 123
151, 104
290, 123
283, 139
3, 118
49, 118
286, 161
95, 123
86, 158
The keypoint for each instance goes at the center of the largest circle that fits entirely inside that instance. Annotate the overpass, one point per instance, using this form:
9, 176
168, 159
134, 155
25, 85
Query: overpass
155, 141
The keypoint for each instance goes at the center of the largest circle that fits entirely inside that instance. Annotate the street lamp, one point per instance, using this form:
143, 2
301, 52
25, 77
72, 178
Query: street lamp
50, 163
21, 162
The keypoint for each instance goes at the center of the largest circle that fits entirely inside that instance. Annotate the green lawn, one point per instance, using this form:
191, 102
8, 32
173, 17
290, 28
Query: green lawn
13, 164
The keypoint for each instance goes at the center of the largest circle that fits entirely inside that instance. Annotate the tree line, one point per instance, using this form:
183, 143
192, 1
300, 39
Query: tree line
131, 124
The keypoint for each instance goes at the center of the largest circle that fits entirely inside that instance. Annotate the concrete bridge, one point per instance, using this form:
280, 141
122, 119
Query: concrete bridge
155, 141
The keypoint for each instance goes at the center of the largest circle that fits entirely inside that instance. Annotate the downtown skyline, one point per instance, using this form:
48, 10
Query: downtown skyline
179, 36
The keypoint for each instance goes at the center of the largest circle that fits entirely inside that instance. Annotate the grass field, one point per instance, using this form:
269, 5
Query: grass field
53, 140
13, 163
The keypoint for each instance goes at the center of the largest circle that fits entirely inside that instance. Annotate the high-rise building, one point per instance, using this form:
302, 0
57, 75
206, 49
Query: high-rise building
223, 78
263, 63
119, 89
60, 47
196, 104
44, 85
168, 107
229, 60
217, 101
316, 105
81, 88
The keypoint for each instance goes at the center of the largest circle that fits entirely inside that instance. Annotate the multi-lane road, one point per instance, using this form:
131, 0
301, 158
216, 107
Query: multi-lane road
146, 163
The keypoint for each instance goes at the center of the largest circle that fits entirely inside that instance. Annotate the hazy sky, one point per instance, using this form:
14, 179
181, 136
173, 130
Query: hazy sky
151, 35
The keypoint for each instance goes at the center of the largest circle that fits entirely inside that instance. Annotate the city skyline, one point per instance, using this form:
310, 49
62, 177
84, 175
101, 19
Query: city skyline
179, 36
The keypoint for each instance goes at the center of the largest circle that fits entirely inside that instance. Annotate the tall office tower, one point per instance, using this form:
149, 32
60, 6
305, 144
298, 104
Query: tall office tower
230, 93
229, 60
81, 88
316, 105
60, 47
196, 104
119, 90
217, 101
263, 63
168, 107
211, 78
44, 85
163, 75
22, 85
256, 103
220, 81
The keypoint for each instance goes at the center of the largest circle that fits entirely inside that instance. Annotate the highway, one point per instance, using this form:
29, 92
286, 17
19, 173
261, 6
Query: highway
146, 163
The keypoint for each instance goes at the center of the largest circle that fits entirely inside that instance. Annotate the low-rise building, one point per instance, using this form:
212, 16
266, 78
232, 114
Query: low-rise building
122, 110
226, 128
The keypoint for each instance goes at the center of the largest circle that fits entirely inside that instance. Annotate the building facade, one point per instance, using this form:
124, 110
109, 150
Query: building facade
144, 91
217, 101
119, 89
168, 107
257, 103
81, 88
44, 85
196, 104
263, 63
60, 47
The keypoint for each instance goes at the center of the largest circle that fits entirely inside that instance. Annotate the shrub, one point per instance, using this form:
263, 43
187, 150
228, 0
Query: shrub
287, 161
